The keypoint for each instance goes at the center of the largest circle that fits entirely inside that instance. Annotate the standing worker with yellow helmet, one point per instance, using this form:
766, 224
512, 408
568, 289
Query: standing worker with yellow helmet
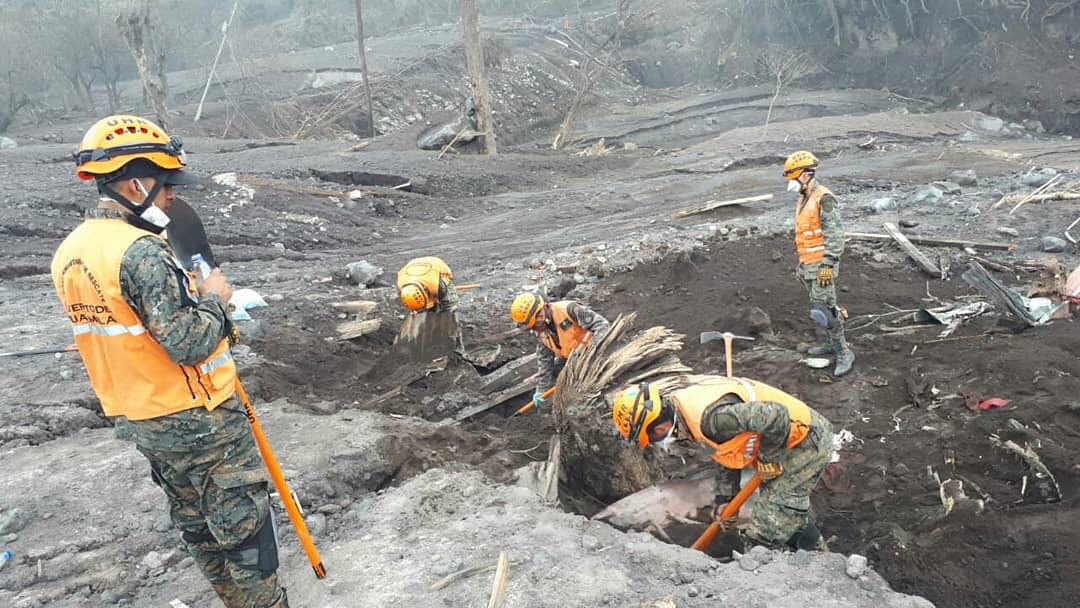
748, 424
560, 328
155, 345
819, 240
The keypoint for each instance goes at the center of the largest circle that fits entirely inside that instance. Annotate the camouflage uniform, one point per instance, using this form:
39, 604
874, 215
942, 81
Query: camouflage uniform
832, 227
550, 364
782, 509
447, 296
206, 462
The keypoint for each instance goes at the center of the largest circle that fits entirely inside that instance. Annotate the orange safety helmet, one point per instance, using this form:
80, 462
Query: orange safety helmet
635, 409
414, 297
798, 163
115, 141
526, 308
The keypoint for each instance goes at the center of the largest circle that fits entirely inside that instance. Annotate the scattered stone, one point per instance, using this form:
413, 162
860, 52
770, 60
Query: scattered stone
1034, 125
355, 195
1007, 231
908, 223
448, 566
590, 542
1034, 179
562, 288
316, 523
6, 143
949, 188
879, 257
800, 558
251, 330
867, 584
1052, 244
65, 373
761, 554
964, 177
856, 566
278, 246
154, 560
13, 520
692, 592
748, 563
990, 123
363, 273
881, 205
759, 321
968, 137
330, 508
927, 194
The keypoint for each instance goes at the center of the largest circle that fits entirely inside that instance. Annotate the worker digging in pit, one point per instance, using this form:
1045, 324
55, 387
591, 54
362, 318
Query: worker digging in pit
747, 424
560, 328
819, 241
156, 348
427, 284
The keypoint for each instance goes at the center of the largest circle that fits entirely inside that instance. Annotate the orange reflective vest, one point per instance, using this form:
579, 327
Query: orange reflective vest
809, 237
570, 333
426, 273
130, 371
740, 451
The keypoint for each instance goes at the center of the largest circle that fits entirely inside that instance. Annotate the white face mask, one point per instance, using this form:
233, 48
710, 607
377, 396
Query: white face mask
152, 214
793, 185
666, 443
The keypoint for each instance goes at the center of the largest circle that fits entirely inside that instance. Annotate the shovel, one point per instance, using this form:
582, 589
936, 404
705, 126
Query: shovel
531, 405
728, 513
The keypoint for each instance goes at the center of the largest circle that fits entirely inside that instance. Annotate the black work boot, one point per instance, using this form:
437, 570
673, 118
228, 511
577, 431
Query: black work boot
845, 357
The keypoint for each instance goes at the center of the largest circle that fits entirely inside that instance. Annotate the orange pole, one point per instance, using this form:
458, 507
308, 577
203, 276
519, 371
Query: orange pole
467, 286
281, 485
531, 405
729, 512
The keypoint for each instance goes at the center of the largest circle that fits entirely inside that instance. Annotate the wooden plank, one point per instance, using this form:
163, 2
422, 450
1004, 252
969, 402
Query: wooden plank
934, 242
519, 389
365, 307
498, 586
510, 374
710, 205
356, 329
913, 252
435, 366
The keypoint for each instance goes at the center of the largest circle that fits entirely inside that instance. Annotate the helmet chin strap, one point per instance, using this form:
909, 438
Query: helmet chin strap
135, 218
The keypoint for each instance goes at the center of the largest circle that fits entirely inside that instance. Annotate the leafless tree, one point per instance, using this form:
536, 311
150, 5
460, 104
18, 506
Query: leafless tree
140, 33
474, 63
363, 66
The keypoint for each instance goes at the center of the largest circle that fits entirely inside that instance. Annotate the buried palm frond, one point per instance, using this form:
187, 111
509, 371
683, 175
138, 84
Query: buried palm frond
606, 365
594, 458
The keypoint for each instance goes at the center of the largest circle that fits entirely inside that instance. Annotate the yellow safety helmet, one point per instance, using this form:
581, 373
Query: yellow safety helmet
526, 308
635, 409
115, 141
414, 297
798, 163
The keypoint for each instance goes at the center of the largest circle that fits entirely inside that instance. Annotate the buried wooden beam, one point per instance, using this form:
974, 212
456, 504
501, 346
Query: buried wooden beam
498, 586
710, 205
498, 398
365, 307
357, 329
934, 242
510, 374
909, 248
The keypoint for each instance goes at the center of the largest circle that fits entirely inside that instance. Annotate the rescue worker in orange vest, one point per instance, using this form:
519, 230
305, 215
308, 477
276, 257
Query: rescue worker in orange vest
560, 327
819, 240
426, 284
155, 345
748, 424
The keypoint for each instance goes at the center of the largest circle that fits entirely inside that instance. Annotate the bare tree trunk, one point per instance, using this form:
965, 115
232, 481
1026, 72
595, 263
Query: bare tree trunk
474, 61
363, 66
138, 33
217, 57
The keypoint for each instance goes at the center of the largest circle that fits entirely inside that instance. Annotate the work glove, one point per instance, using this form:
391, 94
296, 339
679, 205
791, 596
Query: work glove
538, 399
719, 502
825, 276
769, 470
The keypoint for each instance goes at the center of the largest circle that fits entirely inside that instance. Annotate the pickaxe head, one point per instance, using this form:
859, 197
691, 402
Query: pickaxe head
713, 336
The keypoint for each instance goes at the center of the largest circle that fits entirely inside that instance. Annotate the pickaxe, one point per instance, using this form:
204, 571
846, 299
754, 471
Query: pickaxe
728, 338
41, 351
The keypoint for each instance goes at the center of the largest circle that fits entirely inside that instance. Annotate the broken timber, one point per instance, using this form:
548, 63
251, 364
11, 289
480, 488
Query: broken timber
510, 374
498, 586
980, 279
518, 389
364, 307
913, 252
710, 205
357, 329
435, 366
934, 242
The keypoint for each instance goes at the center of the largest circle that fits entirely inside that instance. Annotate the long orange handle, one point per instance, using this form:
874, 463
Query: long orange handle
282, 486
468, 286
730, 510
531, 405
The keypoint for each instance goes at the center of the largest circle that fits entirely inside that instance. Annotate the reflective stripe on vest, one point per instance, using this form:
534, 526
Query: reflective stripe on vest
571, 334
740, 451
107, 330
809, 237
131, 373
425, 272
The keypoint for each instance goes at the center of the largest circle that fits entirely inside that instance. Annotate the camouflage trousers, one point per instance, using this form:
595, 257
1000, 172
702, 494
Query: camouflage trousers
782, 507
209, 466
825, 296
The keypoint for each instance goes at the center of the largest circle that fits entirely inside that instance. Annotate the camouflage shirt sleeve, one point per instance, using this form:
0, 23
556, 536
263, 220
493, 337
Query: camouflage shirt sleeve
721, 422
448, 296
150, 284
833, 227
588, 318
548, 367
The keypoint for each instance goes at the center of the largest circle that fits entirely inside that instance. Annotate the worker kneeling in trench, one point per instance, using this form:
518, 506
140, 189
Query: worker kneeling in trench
748, 424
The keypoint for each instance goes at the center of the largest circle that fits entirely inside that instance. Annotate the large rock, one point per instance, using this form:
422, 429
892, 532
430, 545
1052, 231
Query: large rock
363, 273
1052, 244
882, 205
964, 177
6, 143
990, 123
950, 188
927, 194
1034, 179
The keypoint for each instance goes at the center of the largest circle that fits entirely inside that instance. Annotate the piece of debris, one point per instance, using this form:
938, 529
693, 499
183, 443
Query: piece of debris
1045, 485
1007, 231
856, 566
357, 329
657, 504
948, 188
6, 143
461, 575
1040, 177
973, 402
913, 252
964, 177
933, 241
452, 132
498, 586
882, 205
712, 204
1052, 244
359, 307
1022, 307
363, 273
243, 300
543, 477
177, 604
952, 316
953, 498
927, 194
815, 362
597, 149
